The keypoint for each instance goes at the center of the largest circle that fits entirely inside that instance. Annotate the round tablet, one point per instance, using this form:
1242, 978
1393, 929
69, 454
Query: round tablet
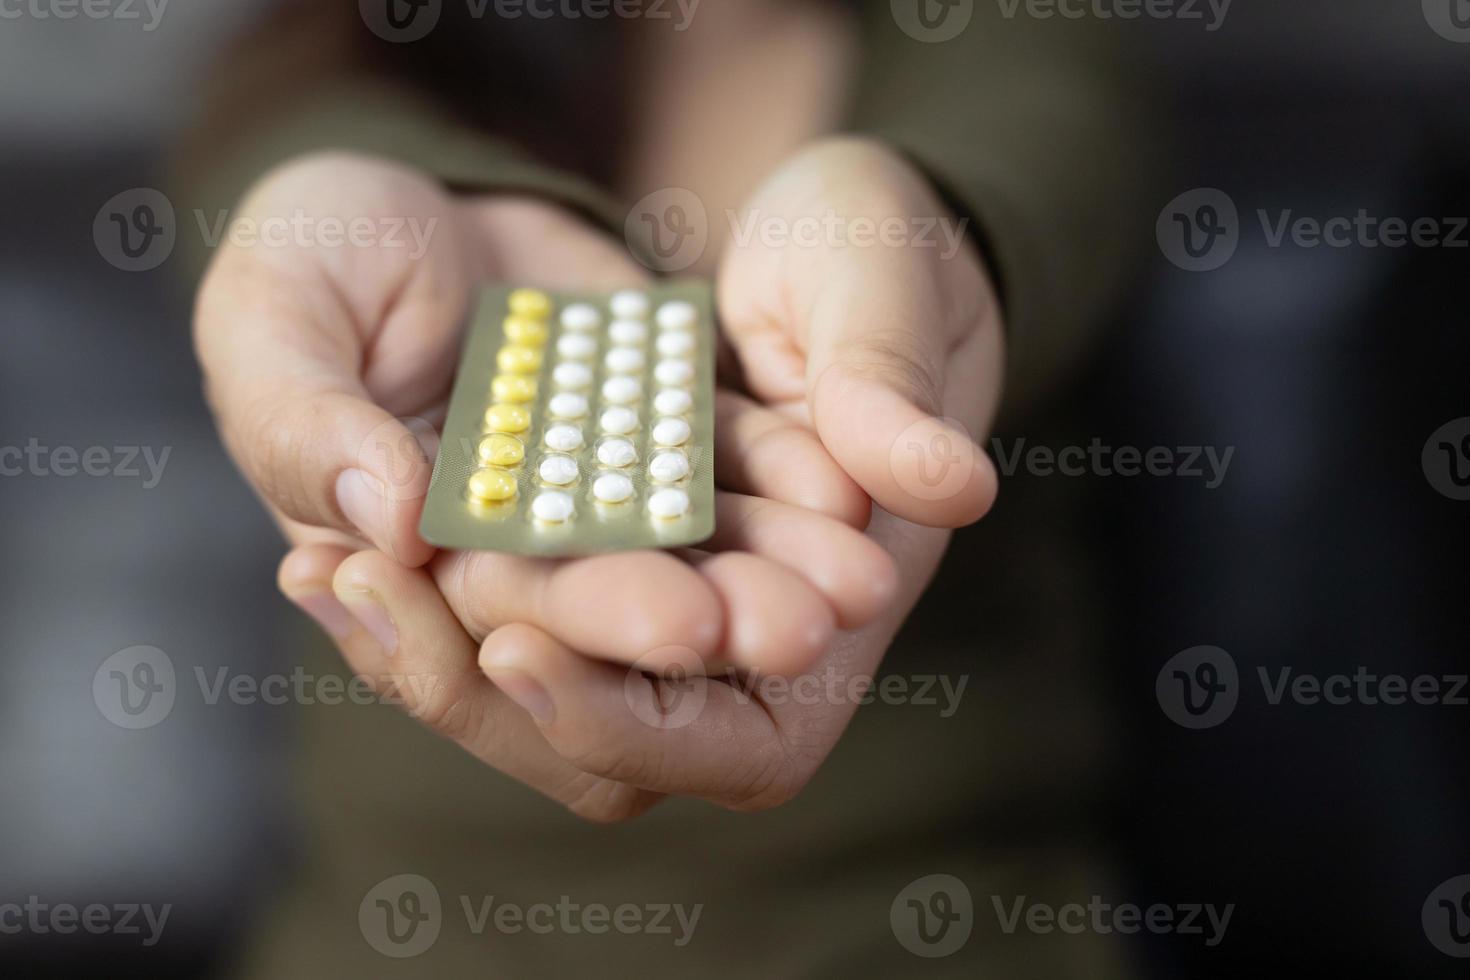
624, 360
492, 484
512, 388
612, 488
507, 418
559, 470
668, 502
572, 375
553, 506
525, 330
577, 346
669, 466
676, 315
621, 390
529, 302
619, 420
581, 317
674, 372
564, 438
675, 344
616, 452
629, 303
673, 401
567, 405
628, 332
671, 432
518, 359
499, 449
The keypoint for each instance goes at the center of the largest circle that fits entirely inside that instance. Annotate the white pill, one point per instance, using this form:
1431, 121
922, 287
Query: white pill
676, 315
628, 332
669, 502
630, 304
621, 390
612, 488
553, 506
577, 346
564, 438
669, 466
572, 375
619, 420
625, 360
671, 432
673, 401
674, 372
580, 317
568, 405
675, 344
616, 452
560, 470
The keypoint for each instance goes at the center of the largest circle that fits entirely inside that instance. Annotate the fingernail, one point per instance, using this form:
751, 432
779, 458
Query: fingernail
362, 499
372, 616
329, 614
527, 692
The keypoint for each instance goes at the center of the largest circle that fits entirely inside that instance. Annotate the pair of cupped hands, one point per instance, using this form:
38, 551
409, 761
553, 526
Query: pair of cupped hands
853, 365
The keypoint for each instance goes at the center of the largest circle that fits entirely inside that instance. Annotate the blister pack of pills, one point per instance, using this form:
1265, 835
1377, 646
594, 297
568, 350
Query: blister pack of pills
579, 424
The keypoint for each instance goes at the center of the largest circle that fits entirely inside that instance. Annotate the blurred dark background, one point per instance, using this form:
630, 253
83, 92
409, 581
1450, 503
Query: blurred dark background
1326, 548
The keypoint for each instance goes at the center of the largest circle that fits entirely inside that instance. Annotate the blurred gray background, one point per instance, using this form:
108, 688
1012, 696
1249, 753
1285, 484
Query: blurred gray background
1327, 368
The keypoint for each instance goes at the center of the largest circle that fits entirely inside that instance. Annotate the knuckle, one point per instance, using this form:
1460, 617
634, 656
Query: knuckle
603, 801
893, 358
444, 705
768, 781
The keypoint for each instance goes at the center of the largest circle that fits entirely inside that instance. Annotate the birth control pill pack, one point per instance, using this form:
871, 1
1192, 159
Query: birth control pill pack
580, 423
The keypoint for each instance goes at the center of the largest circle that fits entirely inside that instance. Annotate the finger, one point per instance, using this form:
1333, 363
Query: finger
694, 736
853, 573
409, 646
775, 621
536, 244
764, 453
623, 606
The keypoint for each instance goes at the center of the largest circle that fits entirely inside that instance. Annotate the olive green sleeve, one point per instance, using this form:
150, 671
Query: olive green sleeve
1030, 130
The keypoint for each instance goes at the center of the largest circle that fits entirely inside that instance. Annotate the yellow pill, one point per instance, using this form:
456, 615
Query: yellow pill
492, 484
499, 449
513, 388
530, 302
515, 359
526, 330
507, 418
